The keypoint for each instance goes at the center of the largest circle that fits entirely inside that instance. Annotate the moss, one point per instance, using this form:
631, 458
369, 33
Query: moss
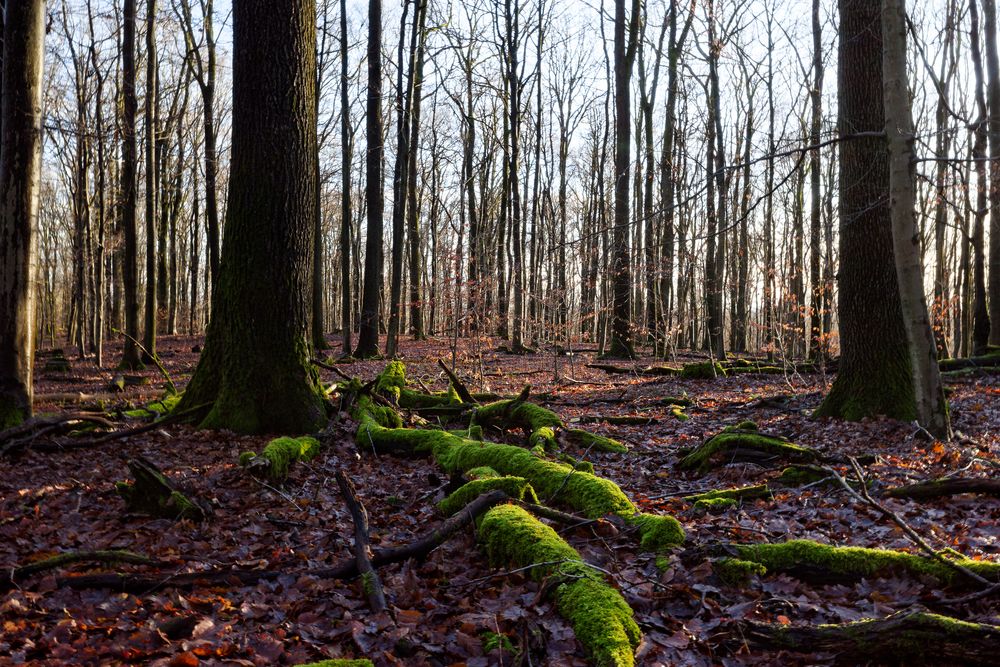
585, 466
703, 370
247, 457
715, 504
737, 572
544, 437
392, 379
525, 415
482, 472
11, 412
745, 425
659, 533
678, 413
339, 662
174, 505
701, 458
517, 488
598, 443
802, 475
741, 493
492, 642
870, 387
281, 453
600, 617
857, 562
156, 408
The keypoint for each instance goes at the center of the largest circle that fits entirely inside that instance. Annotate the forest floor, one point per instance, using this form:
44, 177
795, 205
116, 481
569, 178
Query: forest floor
450, 608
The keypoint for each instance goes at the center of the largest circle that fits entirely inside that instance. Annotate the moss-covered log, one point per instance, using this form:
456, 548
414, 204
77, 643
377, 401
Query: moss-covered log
155, 495
592, 496
600, 617
948, 486
517, 488
702, 370
279, 455
732, 443
912, 637
540, 423
597, 443
723, 498
811, 560
340, 662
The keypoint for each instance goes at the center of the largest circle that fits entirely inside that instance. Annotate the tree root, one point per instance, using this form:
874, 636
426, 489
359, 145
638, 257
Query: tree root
949, 486
600, 617
26, 434
278, 457
908, 637
21, 572
724, 498
813, 561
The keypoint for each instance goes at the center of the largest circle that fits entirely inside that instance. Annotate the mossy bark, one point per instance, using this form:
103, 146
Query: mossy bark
155, 495
255, 369
728, 443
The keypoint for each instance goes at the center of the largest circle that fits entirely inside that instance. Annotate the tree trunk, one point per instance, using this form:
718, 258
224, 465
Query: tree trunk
993, 130
255, 370
932, 409
20, 164
368, 326
874, 374
816, 345
625, 39
152, 170
347, 150
130, 269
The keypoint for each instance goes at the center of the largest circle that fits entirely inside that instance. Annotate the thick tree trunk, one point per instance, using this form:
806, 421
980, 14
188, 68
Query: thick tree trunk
255, 369
874, 375
625, 39
20, 162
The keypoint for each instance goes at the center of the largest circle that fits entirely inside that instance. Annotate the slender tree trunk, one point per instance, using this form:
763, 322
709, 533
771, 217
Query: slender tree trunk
980, 312
20, 180
130, 268
932, 409
369, 323
993, 130
151, 122
816, 345
412, 208
347, 150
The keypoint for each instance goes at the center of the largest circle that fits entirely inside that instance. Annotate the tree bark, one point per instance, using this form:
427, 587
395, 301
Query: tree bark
255, 369
932, 409
20, 165
875, 374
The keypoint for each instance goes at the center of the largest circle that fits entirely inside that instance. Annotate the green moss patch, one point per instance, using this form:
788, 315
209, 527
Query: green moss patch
600, 617
598, 443
716, 449
340, 662
703, 370
798, 556
741, 493
737, 572
280, 454
518, 488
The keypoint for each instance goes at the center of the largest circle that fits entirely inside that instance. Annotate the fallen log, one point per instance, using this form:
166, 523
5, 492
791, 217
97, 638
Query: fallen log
949, 486
744, 441
908, 637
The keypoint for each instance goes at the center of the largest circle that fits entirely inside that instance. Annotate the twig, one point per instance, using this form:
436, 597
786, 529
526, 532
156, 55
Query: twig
914, 537
460, 388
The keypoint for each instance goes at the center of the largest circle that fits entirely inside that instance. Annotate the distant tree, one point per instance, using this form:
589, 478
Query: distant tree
20, 162
874, 375
372, 290
130, 260
625, 40
255, 370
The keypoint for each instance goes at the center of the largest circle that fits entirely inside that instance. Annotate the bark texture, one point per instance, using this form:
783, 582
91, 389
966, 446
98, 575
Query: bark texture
874, 375
255, 369
20, 160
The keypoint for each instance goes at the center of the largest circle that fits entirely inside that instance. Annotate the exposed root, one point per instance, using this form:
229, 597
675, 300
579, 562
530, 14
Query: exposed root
279, 455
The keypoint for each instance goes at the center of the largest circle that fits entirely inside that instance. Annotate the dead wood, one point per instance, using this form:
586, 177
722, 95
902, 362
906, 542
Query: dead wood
460, 388
370, 581
950, 486
912, 636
